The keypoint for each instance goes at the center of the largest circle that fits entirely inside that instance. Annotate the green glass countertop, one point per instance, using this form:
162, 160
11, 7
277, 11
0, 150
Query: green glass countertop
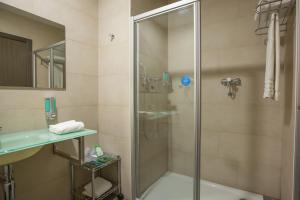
13, 142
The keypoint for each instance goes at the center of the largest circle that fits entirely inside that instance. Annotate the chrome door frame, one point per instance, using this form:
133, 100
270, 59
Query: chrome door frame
296, 184
197, 89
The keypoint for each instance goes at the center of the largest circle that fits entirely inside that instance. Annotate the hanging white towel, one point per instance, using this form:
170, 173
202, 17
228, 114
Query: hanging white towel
277, 59
271, 88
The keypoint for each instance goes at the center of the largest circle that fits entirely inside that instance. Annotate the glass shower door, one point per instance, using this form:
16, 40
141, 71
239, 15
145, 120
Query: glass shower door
166, 157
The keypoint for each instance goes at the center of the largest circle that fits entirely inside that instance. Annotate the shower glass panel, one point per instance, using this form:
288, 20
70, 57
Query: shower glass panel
59, 62
165, 105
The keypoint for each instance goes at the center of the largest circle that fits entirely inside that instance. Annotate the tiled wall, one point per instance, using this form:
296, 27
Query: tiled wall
45, 176
241, 138
241, 144
139, 6
114, 86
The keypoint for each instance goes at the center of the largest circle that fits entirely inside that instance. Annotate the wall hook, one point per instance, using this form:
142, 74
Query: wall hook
112, 36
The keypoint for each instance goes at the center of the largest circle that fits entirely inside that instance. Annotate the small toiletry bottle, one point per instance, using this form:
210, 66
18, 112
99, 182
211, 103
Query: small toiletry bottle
50, 110
99, 151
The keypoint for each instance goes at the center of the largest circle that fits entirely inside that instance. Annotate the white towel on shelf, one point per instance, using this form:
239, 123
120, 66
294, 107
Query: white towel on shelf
66, 127
272, 72
101, 186
273, 5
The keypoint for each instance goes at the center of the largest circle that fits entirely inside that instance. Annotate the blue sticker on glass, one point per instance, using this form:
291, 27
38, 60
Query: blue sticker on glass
185, 80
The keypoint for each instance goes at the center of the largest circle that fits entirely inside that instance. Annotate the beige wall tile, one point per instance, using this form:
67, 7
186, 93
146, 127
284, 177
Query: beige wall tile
228, 11
251, 149
45, 176
83, 58
87, 8
177, 161
210, 143
257, 120
139, 7
114, 120
183, 138
113, 63
260, 178
219, 170
114, 90
81, 90
86, 114
21, 119
114, 20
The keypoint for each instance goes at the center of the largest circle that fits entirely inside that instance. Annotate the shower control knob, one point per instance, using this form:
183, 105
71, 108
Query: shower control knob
232, 85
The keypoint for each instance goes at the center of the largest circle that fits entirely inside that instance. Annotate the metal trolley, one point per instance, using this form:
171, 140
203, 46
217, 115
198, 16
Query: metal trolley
94, 168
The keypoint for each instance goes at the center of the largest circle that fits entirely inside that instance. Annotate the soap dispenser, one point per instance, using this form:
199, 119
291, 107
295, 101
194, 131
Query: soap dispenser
50, 110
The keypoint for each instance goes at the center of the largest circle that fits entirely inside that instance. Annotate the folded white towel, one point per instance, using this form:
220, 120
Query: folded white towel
101, 186
66, 127
271, 87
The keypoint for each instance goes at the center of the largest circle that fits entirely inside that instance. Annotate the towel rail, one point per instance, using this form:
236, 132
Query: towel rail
264, 10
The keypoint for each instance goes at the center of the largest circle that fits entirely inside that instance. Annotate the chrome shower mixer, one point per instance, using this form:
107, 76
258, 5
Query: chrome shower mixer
232, 85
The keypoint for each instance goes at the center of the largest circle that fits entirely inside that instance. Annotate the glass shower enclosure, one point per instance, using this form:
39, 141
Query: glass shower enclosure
166, 99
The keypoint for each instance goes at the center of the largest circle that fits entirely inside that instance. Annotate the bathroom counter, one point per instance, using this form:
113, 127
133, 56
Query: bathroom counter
18, 141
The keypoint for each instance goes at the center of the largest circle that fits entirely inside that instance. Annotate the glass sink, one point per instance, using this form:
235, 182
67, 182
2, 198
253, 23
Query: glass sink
20, 145
15, 142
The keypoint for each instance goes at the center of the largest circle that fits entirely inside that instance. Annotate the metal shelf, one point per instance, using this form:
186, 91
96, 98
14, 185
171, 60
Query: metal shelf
264, 10
94, 167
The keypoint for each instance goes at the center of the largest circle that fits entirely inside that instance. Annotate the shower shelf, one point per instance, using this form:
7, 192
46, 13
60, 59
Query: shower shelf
264, 10
157, 114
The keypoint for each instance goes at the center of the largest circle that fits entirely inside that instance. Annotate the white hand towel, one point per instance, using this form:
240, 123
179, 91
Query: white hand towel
101, 186
272, 72
269, 72
277, 59
66, 127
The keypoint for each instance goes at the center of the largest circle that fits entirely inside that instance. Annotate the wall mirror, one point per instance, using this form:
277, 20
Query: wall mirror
32, 51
